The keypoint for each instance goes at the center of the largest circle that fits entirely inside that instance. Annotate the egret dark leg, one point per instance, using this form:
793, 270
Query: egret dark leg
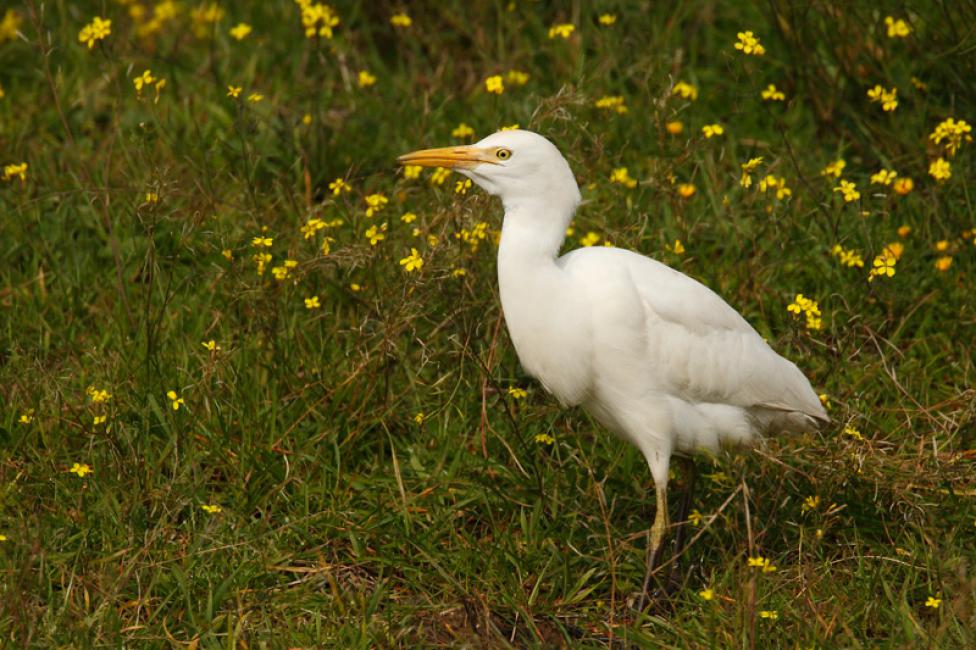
689, 474
656, 541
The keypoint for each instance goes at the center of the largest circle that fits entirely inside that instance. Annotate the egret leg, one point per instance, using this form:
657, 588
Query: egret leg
689, 474
656, 542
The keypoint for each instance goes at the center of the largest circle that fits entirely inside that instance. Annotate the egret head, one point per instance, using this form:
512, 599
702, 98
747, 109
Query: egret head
518, 166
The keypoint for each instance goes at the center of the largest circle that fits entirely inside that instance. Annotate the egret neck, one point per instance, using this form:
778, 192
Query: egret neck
537, 294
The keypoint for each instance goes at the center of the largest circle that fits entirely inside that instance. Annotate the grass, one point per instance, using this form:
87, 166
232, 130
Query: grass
348, 520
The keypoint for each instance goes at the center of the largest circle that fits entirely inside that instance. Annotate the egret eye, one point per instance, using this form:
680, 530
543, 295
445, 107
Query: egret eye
503, 154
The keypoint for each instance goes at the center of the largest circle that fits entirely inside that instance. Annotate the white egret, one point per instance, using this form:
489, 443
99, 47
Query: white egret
655, 356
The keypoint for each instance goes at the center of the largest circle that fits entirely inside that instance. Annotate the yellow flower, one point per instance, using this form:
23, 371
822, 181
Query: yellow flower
517, 393
375, 235
462, 187
848, 257
408, 217
412, 171
234, 91
810, 503
749, 44
771, 614
883, 177
943, 263
954, 133
883, 266
675, 127
711, 130
3, 538
770, 182
825, 400
419, 417
203, 18
28, 417
95, 31
175, 399
9, 25
152, 198
210, 345
312, 303
809, 308
280, 272
751, 165
707, 594
685, 90
462, 131
412, 262
771, 94
211, 509
942, 245
612, 103
311, 227
590, 239
98, 396
686, 190
894, 249
160, 84
757, 561
849, 191
695, 518
458, 273
903, 186
266, 242
375, 203
495, 84
887, 98
439, 175
904, 230
510, 127
834, 169
240, 31
607, 19
940, 169
563, 30
261, 260
338, 186
517, 77
255, 97
145, 79
897, 28
318, 19
81, 469
18, 171
933, 602
621, 176
401, 20
544, 439
327, 245
99, 419
366, 79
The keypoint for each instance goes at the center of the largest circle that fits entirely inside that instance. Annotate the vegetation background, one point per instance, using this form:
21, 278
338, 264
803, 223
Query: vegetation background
368, 472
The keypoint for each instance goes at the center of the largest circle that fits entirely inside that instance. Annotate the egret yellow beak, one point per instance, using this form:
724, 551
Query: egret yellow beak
464, 157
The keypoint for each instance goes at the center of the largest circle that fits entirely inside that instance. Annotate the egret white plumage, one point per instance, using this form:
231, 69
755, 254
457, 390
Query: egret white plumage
655, 356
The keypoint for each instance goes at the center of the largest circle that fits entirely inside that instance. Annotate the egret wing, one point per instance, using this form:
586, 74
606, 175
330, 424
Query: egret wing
701, 349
